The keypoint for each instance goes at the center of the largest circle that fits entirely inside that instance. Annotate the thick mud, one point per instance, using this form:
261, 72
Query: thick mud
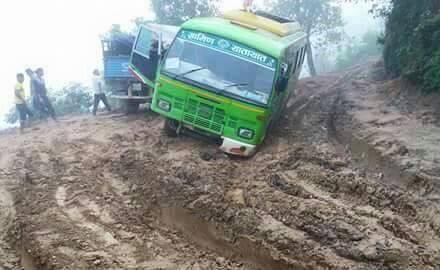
115, 193
389, 130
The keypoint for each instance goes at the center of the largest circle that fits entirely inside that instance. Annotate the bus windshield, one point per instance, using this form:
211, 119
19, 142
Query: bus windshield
224, 66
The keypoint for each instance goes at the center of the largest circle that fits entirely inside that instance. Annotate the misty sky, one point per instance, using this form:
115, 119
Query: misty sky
63, 36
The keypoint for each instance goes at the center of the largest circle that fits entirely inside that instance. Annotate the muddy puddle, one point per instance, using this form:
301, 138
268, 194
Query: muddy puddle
366, 157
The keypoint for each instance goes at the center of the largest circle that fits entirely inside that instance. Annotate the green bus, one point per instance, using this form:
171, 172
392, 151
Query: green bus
229, 77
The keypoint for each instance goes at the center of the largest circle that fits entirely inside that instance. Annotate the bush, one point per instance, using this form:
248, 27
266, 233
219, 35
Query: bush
431, 77
411, 43
72, 99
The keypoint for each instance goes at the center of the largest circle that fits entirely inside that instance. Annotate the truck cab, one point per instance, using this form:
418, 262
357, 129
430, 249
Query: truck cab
123, 85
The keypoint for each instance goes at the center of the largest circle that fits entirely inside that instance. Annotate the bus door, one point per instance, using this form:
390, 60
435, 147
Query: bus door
146, 55
281, 87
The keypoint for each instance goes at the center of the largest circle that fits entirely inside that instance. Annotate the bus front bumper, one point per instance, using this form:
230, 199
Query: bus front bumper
234, 147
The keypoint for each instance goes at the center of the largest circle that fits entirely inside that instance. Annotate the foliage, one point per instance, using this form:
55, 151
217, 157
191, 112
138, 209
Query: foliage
431, 77
72, 99
358, 52
175, 12
321, 19
140, 21
411, 43
116, 31
12, 116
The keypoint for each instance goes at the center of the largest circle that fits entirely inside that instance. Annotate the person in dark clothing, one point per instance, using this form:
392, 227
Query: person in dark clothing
42, 92
154, 52
98, 89
40, 99
35, 99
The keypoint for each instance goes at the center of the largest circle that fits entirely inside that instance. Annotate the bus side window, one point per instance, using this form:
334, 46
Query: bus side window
294, 62
299, 59
303, 55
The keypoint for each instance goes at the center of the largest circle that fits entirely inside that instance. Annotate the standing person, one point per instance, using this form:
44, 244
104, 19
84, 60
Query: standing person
40, 100
98, 89
35, 99
20, 102
41, 92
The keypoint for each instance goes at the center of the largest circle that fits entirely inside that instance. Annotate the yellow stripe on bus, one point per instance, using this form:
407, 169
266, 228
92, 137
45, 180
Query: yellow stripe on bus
211, 96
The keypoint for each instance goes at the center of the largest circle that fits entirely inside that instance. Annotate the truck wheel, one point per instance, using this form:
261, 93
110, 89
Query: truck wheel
132, 107
170, 127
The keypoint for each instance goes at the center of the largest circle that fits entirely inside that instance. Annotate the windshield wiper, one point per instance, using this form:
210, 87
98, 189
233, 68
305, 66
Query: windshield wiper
189, 72
219, 91
234, 84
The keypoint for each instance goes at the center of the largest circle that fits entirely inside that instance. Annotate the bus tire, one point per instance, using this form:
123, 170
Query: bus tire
170, 127
132, 107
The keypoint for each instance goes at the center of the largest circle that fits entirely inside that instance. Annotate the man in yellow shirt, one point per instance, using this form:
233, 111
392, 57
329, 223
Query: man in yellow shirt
20, 101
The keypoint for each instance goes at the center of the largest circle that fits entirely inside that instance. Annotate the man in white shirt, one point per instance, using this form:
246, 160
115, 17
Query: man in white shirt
98, 90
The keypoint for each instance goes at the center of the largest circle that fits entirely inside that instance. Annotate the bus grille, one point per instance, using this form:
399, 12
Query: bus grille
178, 103
204, 116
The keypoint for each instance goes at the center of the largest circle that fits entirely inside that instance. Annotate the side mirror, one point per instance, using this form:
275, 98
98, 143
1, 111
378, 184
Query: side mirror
160, 44
284, 69
163, 55
282, 84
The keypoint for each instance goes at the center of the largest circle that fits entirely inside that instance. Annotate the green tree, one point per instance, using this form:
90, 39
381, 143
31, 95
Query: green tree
321, 20
411, 43
175, 12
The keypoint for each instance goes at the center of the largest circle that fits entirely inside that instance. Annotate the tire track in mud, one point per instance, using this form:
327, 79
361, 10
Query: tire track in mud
70, 224
9, 257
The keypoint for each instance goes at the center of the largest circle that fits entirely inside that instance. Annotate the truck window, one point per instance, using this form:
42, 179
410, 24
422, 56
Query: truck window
144, 43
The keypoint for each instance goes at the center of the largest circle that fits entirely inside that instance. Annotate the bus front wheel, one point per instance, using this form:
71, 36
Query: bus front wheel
170, 127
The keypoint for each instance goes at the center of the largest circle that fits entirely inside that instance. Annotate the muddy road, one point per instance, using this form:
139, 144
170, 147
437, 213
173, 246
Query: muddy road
113, 192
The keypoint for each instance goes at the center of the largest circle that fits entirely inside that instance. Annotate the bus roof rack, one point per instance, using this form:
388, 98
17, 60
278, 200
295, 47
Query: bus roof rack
273, 17
263, 20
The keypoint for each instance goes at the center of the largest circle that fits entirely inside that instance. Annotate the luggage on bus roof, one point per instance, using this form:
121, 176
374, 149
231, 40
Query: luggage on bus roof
262, 20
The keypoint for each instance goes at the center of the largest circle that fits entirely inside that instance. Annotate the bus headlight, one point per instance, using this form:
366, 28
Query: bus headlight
164, 105
246, 133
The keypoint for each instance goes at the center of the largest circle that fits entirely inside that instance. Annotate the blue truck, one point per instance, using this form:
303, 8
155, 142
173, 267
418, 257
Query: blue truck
121, 82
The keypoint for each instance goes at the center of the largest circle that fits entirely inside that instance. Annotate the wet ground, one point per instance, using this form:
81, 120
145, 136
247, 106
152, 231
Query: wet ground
114, 192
